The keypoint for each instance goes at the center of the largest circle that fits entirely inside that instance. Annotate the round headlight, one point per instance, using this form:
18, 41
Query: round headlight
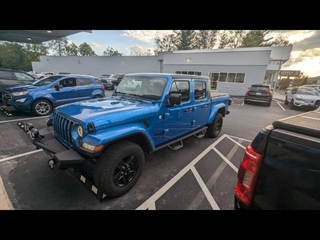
80, 131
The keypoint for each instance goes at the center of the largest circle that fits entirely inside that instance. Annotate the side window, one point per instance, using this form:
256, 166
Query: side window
84, 81
22, 77
5, 75
68, 82
183, 87
199, 90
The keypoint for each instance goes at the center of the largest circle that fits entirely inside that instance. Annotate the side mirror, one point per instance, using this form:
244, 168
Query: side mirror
57, 87
174, 98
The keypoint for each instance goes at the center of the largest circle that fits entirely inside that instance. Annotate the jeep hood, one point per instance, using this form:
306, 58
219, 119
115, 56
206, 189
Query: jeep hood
108, 111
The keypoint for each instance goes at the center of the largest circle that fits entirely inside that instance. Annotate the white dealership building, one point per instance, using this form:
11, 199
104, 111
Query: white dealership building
230, 70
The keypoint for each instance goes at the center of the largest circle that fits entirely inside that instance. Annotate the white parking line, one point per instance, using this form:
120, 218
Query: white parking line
22, 119
150, 202
20, 155
279, 103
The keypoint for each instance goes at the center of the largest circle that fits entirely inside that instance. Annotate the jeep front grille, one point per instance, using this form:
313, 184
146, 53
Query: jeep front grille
62, 128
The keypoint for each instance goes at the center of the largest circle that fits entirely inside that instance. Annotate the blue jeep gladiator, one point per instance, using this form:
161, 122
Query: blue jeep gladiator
107, 139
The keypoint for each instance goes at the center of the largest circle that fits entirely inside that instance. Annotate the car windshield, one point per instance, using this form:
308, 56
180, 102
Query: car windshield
146, 87
305, 91
259, 88
46, 81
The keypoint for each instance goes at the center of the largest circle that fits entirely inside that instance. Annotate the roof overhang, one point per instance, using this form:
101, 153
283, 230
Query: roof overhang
36, 36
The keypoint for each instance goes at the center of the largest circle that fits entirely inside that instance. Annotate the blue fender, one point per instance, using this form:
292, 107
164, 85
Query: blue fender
214, 111
113, 134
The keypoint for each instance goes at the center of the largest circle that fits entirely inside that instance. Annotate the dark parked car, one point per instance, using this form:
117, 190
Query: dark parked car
10, 77
259, 93
112, 81
43, 95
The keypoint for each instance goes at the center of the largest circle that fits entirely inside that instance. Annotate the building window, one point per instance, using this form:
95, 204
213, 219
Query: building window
188, 72
231, 77
240, 78
223, 77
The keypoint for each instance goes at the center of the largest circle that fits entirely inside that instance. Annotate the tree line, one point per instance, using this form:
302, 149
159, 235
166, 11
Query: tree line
20, 55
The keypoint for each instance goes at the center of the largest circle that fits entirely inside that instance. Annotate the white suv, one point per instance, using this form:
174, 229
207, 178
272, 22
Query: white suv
302, 97
44, 74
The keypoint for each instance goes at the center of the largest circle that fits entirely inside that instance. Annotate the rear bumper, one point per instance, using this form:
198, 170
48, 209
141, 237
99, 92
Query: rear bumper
258, 100
59, 155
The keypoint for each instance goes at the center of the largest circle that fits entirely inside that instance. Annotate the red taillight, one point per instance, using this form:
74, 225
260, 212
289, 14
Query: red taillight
247, 176
103, 88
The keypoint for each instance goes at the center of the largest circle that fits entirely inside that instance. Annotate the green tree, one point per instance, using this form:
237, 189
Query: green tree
302, 79
280, 40
12, 55
72, 50
86, 50
111, 52
58, 47
166, 43
231, 38
186, 39
205, 39
256, 38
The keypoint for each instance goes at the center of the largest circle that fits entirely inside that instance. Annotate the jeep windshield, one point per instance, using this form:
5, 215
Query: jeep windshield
46, 81
143, 87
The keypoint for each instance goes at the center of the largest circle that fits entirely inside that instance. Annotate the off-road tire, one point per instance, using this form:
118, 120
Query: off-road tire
41, 107
119, 168
215, 127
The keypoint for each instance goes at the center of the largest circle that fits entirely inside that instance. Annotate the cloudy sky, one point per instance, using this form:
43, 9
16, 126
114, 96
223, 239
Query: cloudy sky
305, 55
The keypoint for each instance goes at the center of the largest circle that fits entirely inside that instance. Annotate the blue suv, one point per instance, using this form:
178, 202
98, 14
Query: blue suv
47, 93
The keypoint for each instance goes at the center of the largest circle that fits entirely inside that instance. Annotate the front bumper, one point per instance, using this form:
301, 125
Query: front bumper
59, 155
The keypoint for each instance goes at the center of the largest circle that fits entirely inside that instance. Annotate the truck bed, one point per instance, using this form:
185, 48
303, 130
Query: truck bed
214, 93
307, 123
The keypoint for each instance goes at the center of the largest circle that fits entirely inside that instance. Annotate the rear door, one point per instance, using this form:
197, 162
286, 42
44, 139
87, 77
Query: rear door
85, 88
201, 103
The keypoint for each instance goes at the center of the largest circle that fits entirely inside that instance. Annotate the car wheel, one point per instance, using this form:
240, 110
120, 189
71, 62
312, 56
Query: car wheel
291, 104
286, 101
41, 108
215, 127
269, 104
97, 96
119, 168
317, 105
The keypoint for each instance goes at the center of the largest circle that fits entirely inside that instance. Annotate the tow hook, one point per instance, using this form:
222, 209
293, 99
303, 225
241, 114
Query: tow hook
51, 163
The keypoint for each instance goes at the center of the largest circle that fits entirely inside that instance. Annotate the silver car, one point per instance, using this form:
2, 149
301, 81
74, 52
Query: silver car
302, 97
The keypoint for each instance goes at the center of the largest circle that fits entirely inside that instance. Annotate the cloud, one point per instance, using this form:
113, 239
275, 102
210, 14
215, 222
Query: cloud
139, 51
147, 36
96, 45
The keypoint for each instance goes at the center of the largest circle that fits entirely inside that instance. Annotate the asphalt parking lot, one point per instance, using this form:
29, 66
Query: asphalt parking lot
200, 176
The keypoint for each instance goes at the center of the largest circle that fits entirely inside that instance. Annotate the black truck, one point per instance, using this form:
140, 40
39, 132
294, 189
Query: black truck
280, 169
